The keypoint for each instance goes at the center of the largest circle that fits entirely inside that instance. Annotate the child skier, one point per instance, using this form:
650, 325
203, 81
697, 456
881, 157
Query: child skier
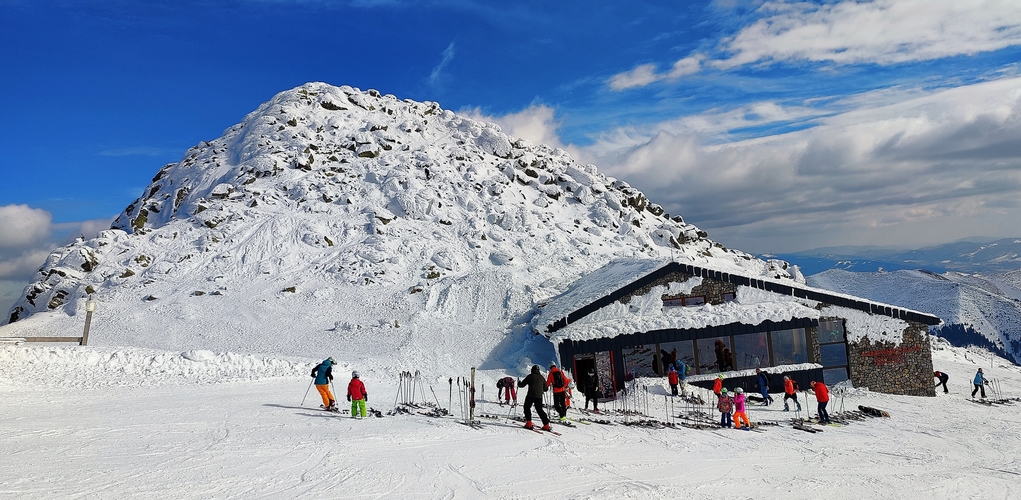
673, 379
739, 413
726, 406
323, 374
506, 386
718, 384
357, 395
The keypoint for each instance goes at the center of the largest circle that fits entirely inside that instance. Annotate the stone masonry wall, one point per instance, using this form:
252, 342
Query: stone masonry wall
891, 368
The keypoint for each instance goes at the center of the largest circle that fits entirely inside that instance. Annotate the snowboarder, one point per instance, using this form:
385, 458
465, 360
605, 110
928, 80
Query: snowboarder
739, 410
942, 377
725, 405
323, 373
822, 395
718, 384
592, 390
764, 386
506, 387
357, 395
980, 382
673, 380
559, 382
790, 389
536, 387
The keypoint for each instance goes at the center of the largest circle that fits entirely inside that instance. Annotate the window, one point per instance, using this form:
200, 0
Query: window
729, 296
832, 376
712, 355
789, 347
831, 330
639, 361
684, 301
751, 351
833, 354
684, 351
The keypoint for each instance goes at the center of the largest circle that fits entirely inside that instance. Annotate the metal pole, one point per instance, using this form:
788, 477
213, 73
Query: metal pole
306, 390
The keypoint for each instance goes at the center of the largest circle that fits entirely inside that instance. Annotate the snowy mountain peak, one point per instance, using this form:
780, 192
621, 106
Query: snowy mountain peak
325, 187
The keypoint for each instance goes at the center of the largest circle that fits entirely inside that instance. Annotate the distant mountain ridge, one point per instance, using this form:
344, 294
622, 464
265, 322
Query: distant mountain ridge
995, 256
977, 309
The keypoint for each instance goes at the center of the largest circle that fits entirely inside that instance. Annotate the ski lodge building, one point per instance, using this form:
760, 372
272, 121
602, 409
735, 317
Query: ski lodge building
632, 318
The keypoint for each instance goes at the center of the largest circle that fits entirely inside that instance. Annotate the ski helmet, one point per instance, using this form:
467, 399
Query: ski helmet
331, 360
552, 364
723, 391
535, 368
354, 374
739, 390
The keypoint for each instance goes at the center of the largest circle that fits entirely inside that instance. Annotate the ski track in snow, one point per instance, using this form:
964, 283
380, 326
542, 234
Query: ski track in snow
233, 426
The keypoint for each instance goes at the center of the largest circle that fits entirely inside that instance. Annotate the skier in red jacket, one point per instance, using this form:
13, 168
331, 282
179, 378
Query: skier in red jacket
672, 377
822, 395
559, 382
790, 389
718, 385
357, 395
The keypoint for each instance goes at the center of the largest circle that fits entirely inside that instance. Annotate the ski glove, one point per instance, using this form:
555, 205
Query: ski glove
349, 397
366, 397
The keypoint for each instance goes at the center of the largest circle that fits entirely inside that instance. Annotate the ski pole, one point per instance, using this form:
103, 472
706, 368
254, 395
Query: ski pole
450, 395
306, 392
400, 383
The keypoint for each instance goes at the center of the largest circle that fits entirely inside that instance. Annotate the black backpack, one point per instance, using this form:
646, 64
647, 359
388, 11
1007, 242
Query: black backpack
558, 379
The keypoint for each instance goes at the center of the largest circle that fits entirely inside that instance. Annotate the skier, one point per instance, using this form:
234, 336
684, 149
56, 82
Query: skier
536, 387
323, 374
682, 374
980, 382
790, 389
725, 405
822, 395
764, 386
718, 384
943, 377
739, 410
592, 390
672, 379
506, 386
559, 382
357, 395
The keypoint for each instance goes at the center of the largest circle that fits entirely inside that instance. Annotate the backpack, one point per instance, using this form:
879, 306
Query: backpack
558, 379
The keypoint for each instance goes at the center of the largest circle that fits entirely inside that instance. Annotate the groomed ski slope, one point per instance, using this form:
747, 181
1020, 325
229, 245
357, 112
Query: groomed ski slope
116, 423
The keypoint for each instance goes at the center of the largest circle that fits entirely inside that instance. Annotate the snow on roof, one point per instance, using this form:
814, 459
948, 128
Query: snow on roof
612, 276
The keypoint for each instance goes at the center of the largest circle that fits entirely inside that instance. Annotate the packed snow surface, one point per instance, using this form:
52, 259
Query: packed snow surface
85, 422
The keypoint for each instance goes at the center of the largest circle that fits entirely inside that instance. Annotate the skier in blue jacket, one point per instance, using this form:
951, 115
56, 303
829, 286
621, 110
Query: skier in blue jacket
980, 382
323, 374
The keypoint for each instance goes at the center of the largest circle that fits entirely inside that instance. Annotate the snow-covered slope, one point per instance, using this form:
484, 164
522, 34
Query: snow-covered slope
980, 309
341, 221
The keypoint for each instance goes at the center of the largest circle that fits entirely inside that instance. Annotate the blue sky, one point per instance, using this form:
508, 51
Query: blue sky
774, 126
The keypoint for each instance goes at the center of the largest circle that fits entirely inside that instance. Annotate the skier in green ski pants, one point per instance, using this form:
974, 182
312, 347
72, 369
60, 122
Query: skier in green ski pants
357, 395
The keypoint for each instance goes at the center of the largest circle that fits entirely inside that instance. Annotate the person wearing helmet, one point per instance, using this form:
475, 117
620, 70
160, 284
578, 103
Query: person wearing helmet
718, 385
980, 382
726, 405
672, 379
790, 388
592, 389
739, 410
323, 374
357, 395
536, 388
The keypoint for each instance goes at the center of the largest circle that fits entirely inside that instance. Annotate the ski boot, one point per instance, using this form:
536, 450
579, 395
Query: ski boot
547, 427
528, 425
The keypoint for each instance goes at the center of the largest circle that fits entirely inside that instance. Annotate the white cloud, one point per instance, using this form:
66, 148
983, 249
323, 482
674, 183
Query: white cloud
880, 32
646, 74
28, 235
536, 123
948, 161
22, 226
640, 76
437, 72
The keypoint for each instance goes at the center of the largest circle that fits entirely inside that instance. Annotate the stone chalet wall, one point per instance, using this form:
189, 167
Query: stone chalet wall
891, 368
711, 289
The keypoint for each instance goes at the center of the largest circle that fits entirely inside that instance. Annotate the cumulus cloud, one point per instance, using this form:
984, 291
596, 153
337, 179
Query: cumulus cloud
28, 235
880, 32
937, 161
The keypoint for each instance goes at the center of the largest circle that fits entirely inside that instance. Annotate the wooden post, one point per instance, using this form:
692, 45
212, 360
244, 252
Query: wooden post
88, 322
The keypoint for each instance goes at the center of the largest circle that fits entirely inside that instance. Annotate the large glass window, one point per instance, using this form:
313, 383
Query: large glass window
713, 354
751, 351
833, 354
789, 347
831, 330
639, 361
684, 351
